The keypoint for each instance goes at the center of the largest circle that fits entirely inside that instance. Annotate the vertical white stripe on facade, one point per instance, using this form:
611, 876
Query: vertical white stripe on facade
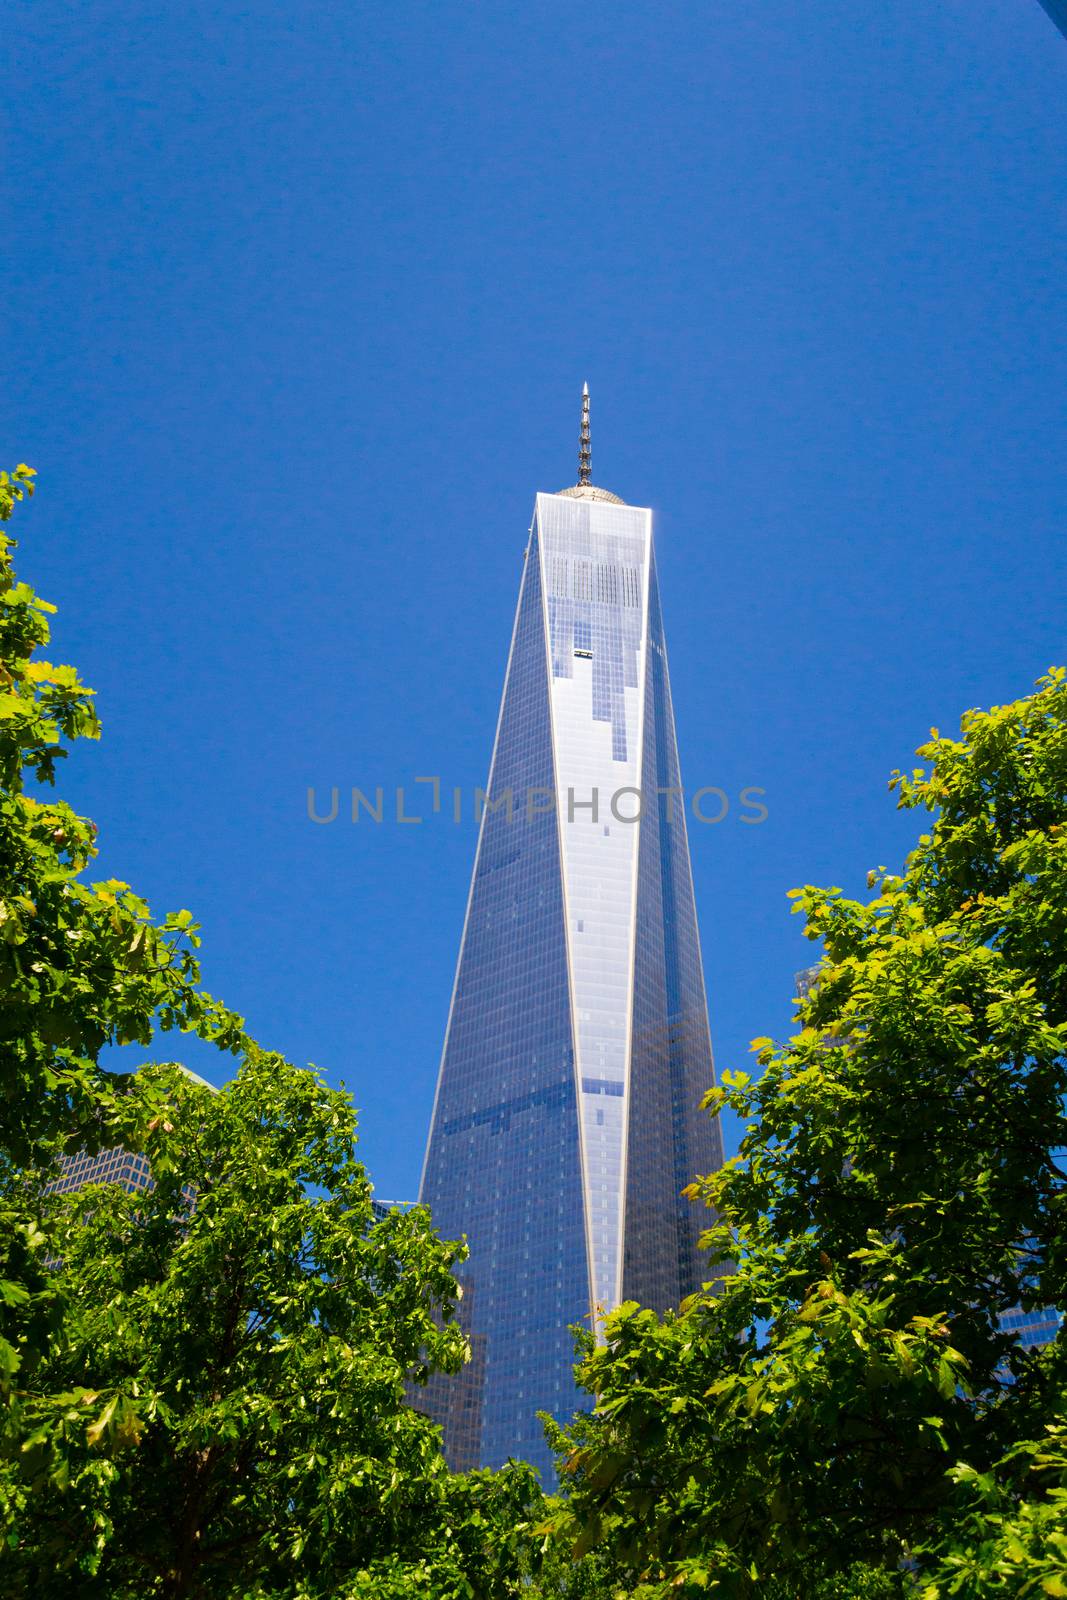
595, 564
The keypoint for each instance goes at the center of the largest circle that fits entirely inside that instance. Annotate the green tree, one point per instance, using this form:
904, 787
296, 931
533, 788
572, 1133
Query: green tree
202, 1389
245, 1359
846, 1408
82, 965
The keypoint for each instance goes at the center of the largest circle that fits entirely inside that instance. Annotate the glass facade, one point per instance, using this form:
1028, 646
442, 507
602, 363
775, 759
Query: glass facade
109, 1166
124, 1167
1057, 10
1032, 1328
595, 557
577, 1046
503, 1164
670, 1139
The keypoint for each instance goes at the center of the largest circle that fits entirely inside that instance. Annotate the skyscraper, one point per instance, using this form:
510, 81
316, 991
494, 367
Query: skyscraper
566, 1121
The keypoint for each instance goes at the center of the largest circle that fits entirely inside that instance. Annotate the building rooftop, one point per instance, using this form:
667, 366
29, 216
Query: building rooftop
589, 491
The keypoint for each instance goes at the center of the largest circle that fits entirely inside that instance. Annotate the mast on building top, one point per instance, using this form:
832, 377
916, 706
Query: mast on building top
585, 448
585, 489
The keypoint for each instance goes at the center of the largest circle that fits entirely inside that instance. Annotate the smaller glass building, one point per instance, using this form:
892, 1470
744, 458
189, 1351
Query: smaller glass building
109, 1166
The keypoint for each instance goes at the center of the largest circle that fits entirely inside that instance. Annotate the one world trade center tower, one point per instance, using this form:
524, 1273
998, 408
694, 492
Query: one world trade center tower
566, 1121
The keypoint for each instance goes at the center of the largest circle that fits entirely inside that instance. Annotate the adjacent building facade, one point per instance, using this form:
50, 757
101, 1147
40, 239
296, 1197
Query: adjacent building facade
118, 1165
129, 1168
567, 1120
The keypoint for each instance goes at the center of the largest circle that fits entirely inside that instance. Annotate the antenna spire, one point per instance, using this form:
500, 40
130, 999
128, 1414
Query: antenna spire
583, 489
585, 449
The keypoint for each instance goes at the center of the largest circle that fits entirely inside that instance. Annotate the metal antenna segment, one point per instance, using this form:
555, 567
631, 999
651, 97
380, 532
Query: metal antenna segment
585, 449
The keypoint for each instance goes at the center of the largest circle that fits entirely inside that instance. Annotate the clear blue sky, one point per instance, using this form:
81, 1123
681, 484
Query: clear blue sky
298, 303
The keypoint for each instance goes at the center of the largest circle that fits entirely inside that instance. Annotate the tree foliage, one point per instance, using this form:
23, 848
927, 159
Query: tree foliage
245, 1357
82, 965
203, 1389
847, 1408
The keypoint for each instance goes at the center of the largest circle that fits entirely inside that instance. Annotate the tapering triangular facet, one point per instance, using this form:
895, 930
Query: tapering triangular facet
669, 1139
503, 1164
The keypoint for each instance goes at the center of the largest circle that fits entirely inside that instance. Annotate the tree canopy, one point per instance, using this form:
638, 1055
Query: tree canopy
246, 1354
204, 1389
848, 1407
